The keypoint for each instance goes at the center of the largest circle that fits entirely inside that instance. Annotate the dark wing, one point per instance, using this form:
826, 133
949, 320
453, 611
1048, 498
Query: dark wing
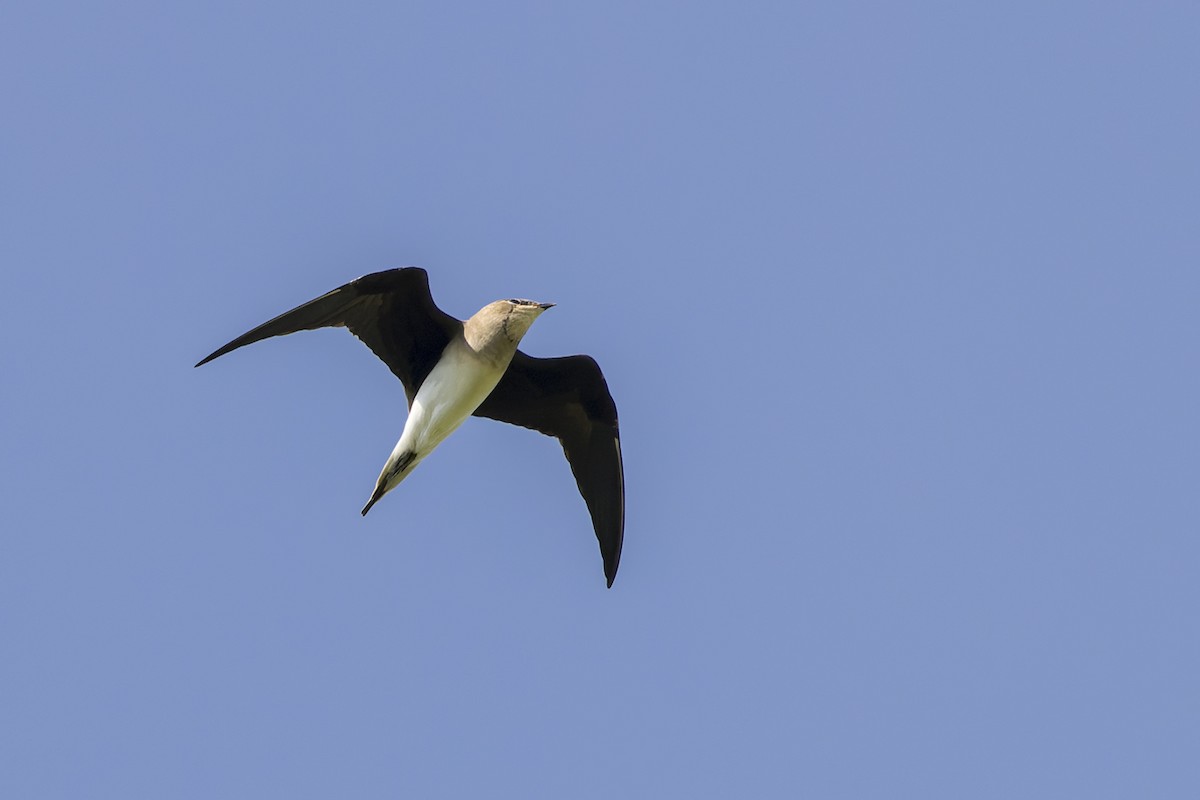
568, 398
392, 312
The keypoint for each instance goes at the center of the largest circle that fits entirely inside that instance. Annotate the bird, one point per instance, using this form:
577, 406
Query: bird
453, 369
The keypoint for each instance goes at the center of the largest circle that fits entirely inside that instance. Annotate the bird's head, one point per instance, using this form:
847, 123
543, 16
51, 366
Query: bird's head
503, 322
519, 315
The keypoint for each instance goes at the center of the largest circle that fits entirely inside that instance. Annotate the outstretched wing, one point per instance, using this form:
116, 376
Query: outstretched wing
392, 312
568, 398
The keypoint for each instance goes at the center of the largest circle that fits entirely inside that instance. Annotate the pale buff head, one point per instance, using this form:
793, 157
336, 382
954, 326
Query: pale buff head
497, 328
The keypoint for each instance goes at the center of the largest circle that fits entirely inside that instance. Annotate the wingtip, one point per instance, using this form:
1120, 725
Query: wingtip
207, 359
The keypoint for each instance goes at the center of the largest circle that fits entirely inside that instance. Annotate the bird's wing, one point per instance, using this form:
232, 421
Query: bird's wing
568, 398
392, 312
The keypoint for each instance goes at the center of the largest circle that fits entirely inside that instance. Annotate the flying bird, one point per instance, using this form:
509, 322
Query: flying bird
452, 370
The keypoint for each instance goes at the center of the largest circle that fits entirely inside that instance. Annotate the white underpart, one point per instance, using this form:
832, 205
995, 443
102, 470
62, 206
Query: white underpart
454, 389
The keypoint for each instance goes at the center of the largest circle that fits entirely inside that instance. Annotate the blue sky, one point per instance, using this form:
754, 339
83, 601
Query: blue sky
898, 303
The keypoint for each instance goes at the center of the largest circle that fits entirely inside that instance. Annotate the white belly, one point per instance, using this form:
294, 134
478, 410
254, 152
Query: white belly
453, 390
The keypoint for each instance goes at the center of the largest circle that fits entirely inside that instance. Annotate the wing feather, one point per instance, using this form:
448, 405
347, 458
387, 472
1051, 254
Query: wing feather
392, 312
568, 398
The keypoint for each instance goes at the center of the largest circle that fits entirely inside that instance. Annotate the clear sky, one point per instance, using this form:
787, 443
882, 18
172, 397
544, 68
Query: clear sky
899, 304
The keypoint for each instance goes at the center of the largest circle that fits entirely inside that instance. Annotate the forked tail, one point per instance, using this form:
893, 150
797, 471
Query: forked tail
394, 471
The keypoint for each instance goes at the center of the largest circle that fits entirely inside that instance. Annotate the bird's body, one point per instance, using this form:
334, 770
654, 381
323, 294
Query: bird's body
458, 384
451, 370
451, 393
466, 373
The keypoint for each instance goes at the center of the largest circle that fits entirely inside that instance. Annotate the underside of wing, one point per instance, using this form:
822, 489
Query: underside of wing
392, 312
568, 398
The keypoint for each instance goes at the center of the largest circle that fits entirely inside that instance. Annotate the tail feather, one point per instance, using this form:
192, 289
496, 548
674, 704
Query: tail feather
379, 492
394, 471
